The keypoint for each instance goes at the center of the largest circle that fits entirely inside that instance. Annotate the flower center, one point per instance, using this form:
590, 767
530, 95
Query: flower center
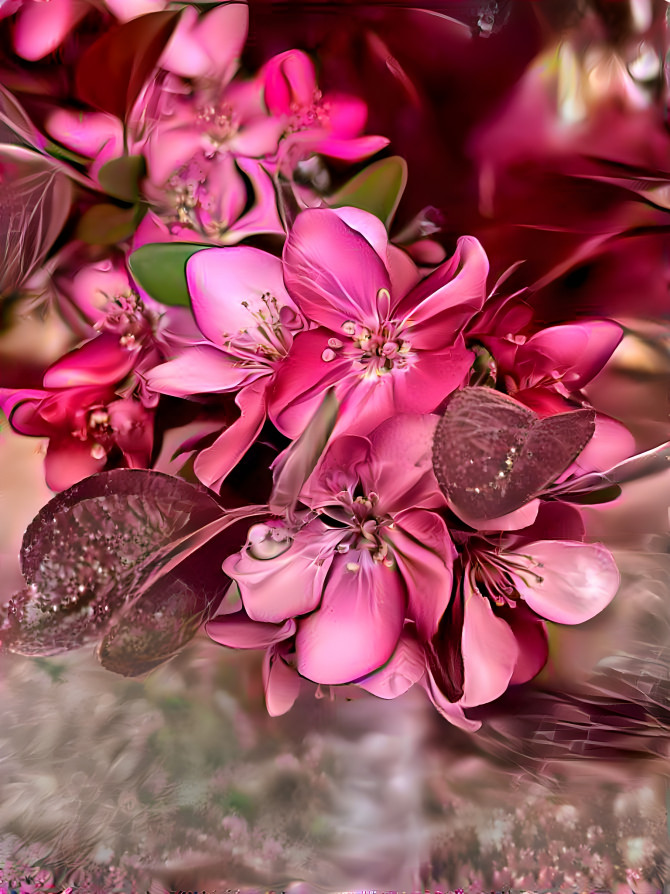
126, 316
308, 115
495, 573
374, 353
219, 123
269, 333
366, 525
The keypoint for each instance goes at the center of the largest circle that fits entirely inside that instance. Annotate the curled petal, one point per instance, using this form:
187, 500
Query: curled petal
238, 631
281, 683
290, 584
213, 464
440, 305
567, 582
424, 553
405, 667
101, 361
358, 624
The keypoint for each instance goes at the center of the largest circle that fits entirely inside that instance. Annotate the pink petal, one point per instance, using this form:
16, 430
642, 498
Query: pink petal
402, 465
68, 461
424, 553
405, 667
169, 149
133, 431
213, 464
301, 380
371, 229
101, 361
41, 27
567, 582
237, 631
513, 521
358, 624
257, 138
281, 683
490, 651
531, 637
86, 132
444, 302
611, 444
200, 369
332, 272
208, 45
290, 584
289, 78
578, 351
450, 711
340, 469
431, 377
222, 281
347, 149
125, 10
346, 115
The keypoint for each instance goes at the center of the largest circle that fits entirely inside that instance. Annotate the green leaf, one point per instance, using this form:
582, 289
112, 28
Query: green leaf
121, 177
160, 269
377, 189
107, 224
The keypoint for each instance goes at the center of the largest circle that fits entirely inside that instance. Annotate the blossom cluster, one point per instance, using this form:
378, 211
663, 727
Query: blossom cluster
218, 234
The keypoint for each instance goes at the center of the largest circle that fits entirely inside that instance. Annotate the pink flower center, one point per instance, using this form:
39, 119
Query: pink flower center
218, 123
374, 353
366, 526
309, 115
127, 316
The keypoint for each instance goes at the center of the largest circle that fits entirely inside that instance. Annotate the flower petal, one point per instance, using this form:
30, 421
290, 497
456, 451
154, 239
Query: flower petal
332, 271
424, 553
568, 582
237, 631
227, 286
213, 464
490, 650
281, 683
200, 369
289, 584
358, 624
68, 461
405, 667
442, 304
101, 361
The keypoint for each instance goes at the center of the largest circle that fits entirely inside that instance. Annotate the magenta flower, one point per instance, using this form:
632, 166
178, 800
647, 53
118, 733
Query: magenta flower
327, 124
331, 589
95, 406
387, 343
248, 332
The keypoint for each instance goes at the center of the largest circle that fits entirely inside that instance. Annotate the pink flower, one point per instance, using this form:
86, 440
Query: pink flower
327, 124
387, 343
95, 407
248, 332
338, 589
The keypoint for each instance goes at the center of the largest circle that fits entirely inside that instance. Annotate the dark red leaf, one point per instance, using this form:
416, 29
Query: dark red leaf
112, 71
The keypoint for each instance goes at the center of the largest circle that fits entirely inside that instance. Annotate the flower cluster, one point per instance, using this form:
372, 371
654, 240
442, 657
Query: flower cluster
217, 232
